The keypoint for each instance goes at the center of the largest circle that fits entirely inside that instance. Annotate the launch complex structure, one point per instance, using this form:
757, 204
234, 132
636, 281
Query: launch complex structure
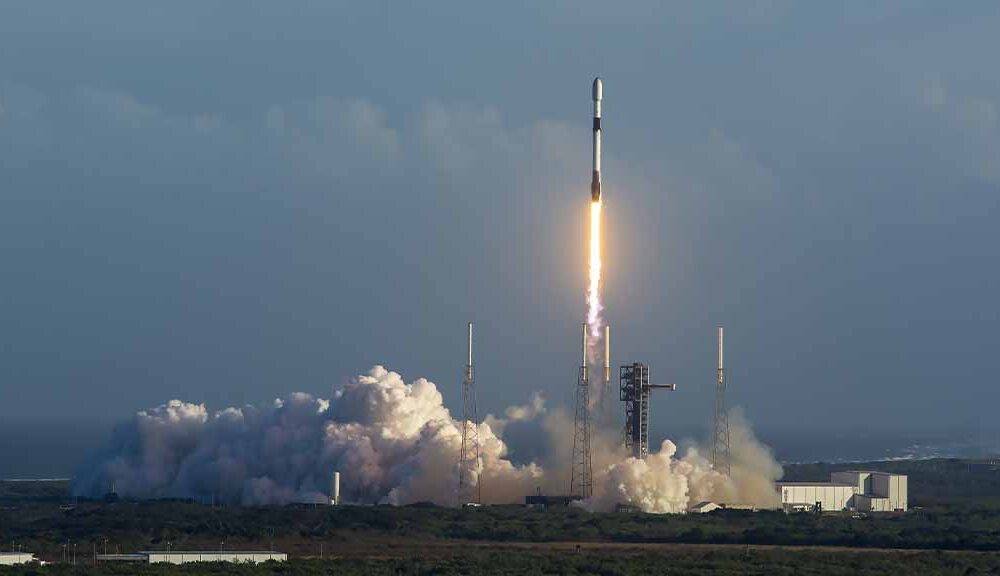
469, 465
634, 380
634, 386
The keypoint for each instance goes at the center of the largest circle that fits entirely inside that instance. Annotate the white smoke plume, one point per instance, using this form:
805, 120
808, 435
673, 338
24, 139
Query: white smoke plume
525, 413
664, 483
394, 442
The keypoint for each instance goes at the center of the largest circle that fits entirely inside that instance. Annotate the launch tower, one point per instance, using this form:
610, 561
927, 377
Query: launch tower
634, 388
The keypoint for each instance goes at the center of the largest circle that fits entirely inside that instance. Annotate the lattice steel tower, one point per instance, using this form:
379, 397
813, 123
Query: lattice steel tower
581, 482
469, 464
720, 446
634, 388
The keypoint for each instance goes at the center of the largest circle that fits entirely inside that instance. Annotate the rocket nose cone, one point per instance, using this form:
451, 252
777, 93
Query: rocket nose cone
598, 89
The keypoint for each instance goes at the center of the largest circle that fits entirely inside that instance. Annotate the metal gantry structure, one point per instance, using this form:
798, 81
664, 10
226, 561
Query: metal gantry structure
720, 445
469, 461
581, 482
634, 388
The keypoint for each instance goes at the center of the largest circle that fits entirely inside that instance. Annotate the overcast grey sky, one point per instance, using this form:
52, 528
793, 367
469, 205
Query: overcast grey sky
227, 202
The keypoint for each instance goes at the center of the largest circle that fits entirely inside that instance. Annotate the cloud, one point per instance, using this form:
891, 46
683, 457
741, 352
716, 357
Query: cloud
334, 138
119, 107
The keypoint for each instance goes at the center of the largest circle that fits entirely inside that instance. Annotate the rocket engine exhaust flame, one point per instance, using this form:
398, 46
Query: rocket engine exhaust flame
594, 307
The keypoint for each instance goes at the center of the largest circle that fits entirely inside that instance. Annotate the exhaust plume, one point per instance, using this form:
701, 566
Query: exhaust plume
396, 443
665, 483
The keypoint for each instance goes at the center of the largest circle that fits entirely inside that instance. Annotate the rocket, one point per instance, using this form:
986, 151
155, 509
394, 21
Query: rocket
595, 183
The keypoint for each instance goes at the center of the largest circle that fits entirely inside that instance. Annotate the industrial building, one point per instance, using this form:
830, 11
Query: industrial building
877, 491
185, 557
859, 490
12, 558
541, 502
703, 508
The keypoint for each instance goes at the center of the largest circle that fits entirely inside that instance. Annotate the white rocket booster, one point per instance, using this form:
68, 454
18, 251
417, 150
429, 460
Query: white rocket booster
595, 183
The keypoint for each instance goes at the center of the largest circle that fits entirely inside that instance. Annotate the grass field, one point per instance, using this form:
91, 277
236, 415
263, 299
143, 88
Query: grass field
955, 531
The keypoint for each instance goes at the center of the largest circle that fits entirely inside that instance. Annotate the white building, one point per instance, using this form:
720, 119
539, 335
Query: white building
893, 487
11, 558
703, 507
860, 478
860, 490
877, 491
826, 496
186, 556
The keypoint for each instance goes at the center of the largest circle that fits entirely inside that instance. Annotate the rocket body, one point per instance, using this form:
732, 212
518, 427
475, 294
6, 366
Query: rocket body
595, 183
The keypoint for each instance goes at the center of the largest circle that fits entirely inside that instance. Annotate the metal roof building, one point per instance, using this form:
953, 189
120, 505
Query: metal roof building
816, 495
861, 490
11, 558
187, 556
703, 507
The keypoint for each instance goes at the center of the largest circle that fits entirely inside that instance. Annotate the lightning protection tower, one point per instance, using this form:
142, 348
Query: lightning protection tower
720, 446
468, 464
634, 388
581, 482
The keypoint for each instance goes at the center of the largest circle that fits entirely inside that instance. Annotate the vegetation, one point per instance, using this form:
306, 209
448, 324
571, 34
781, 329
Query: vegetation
960, 511
676, 562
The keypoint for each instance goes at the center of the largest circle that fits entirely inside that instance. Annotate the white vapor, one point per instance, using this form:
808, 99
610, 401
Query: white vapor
393, 442
665, 483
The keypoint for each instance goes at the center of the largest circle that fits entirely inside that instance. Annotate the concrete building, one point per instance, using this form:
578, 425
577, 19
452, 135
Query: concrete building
825, 496
883, 492
703, 507
12, 558
860, 478
541, 501
867, 503
186, 556
861, 490
892, 487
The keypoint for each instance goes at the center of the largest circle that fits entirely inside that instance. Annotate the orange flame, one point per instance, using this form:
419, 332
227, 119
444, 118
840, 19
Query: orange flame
594, 288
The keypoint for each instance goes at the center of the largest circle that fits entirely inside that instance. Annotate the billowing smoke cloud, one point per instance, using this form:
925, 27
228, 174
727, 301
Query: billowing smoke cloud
664, 483
394, 442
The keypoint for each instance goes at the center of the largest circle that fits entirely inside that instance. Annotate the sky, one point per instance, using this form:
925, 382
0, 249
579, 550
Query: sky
225, 202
